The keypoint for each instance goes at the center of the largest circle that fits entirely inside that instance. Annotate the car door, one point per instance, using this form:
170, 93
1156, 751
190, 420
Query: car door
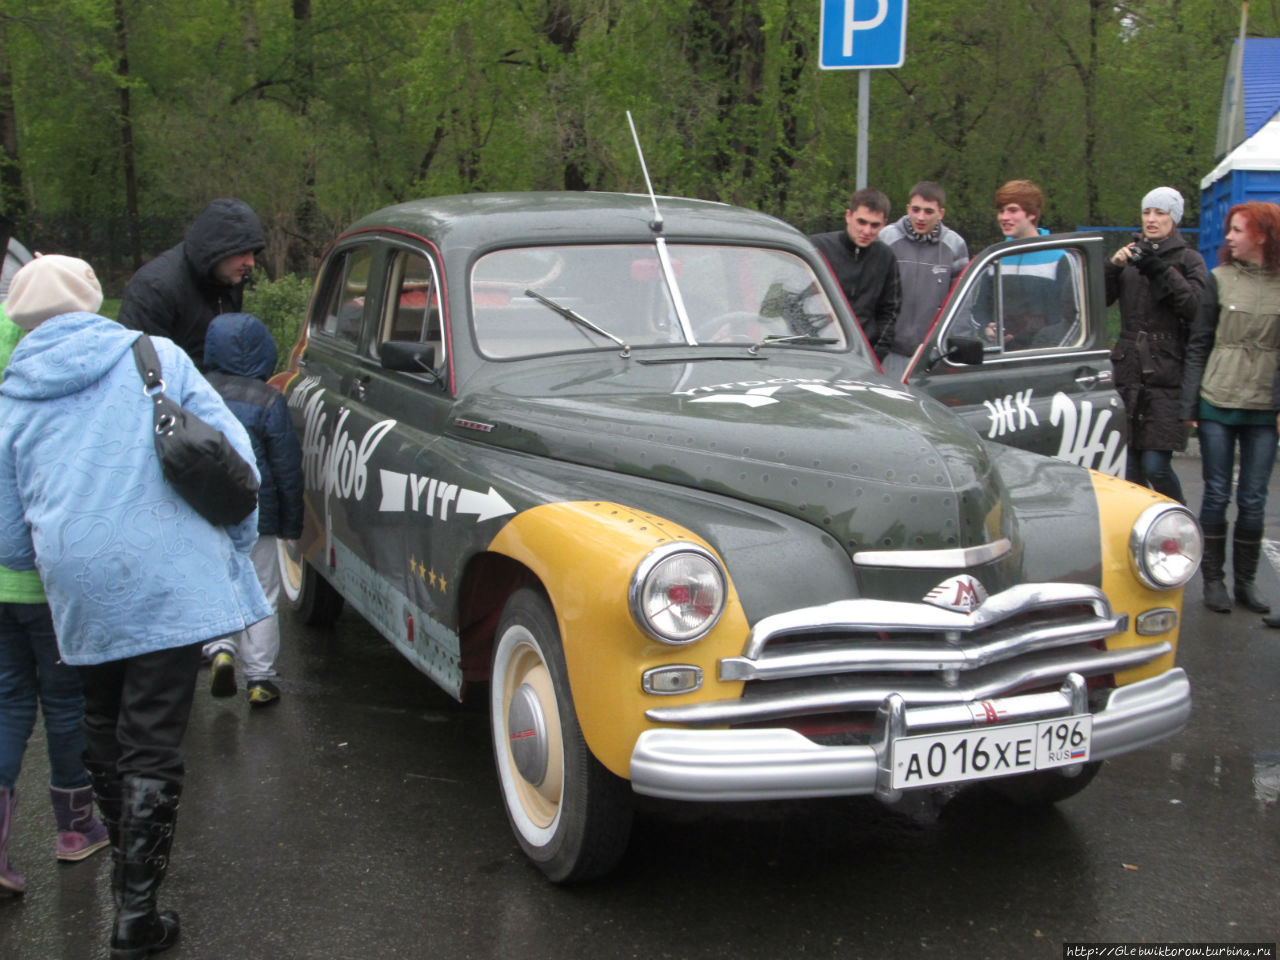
340, 432
1020, 351
420, 495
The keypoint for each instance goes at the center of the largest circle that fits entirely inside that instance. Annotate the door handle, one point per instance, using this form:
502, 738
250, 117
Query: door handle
358, 388
1093, 379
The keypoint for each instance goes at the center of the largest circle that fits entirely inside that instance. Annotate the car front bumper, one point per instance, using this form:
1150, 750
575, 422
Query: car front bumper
767, 764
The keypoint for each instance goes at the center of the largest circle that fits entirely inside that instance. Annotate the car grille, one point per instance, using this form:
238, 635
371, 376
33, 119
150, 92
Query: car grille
845, 658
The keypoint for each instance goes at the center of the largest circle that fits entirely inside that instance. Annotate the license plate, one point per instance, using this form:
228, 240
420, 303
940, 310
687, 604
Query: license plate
930, 759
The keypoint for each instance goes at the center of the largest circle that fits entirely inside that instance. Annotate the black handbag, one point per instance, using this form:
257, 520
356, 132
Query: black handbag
197, 460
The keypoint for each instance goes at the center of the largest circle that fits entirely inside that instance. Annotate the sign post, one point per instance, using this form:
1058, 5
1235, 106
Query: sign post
862, 35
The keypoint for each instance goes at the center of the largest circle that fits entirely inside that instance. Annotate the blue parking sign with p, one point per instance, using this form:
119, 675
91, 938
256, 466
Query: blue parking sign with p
862, 34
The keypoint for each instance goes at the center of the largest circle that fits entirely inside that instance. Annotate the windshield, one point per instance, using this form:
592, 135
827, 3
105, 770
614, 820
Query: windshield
537, 300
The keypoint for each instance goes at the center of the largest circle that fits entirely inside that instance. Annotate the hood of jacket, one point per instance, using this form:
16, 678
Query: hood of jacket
223, 228
239, 344
64, 355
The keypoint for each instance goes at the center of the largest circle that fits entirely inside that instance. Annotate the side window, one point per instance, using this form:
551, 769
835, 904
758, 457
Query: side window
1028, 302
343, 314
411, 309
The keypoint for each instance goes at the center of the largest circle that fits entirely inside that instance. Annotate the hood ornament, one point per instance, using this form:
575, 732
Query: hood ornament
962, 593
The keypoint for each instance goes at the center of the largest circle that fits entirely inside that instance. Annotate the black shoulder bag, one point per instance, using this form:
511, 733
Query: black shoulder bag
198, 460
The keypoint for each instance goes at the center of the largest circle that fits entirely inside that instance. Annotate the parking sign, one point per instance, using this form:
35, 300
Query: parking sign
863, 34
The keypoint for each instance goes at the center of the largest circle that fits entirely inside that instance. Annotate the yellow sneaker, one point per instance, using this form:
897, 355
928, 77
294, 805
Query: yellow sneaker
222, 675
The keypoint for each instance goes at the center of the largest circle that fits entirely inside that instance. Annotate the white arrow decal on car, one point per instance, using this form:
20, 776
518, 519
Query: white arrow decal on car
486, 506
757, 397
401, 492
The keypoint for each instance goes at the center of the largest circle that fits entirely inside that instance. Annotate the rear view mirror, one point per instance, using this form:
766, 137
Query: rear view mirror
966, 350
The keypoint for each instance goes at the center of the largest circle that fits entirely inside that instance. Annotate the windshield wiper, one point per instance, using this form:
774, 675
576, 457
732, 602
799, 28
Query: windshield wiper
802, 338
701, 357
796, 338
577, 318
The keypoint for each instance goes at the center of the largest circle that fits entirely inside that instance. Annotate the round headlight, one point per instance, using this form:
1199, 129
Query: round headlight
1166, 546
677, 593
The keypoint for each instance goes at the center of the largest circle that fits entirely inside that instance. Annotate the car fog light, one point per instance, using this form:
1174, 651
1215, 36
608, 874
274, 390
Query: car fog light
677, 593
677, 678
1165, 546
1152, 622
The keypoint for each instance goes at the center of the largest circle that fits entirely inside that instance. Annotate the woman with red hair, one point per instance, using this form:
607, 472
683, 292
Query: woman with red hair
1231, 390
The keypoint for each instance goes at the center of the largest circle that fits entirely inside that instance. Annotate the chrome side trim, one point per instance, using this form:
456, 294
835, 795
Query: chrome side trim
830, 657
890, 615
857, 693
935, 559
707, 765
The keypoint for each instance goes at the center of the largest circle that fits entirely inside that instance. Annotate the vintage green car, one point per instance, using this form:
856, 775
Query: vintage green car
627, 465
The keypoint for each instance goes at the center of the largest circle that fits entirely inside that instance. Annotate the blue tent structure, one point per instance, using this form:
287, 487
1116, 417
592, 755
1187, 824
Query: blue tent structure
1248, 147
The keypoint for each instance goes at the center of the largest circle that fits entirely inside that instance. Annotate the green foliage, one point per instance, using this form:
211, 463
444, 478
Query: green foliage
282, 305
317, 113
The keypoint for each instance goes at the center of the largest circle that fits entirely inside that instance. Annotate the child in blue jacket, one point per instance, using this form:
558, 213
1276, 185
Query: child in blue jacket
239, 356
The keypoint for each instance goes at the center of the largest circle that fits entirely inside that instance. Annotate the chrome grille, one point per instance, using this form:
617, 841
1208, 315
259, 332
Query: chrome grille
850, 655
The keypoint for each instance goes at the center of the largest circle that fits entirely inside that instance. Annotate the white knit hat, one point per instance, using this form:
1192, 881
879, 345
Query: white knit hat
1167, 199
49, 286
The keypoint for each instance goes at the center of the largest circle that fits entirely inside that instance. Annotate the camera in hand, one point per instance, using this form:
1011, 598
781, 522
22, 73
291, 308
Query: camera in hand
1140, 249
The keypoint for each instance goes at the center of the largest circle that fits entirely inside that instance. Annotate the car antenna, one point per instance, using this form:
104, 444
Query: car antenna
656, 223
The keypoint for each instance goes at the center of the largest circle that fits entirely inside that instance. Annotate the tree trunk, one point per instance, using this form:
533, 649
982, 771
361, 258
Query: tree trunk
128, 157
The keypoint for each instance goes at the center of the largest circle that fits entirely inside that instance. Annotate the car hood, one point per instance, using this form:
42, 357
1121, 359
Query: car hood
874, 464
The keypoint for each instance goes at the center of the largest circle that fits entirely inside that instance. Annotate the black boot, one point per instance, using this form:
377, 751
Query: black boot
1211, 567
1246, 545
106, 790
149, 809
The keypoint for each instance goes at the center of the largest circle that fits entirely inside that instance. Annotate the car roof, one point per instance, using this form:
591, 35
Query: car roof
486, 219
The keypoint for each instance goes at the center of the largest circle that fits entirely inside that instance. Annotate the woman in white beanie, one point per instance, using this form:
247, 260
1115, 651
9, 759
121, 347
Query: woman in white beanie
1158, 280
135, 578
31, 672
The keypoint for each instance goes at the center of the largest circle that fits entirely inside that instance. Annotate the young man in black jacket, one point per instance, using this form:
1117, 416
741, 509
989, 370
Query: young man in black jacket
865, 268
179, 292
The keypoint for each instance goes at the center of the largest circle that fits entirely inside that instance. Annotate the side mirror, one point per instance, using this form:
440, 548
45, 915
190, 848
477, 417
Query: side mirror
408, 356
965, 350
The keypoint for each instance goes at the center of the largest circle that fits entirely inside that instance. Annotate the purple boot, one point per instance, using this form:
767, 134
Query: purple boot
80, 833
10, 880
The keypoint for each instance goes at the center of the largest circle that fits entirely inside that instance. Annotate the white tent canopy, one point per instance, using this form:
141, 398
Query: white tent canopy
1259, 152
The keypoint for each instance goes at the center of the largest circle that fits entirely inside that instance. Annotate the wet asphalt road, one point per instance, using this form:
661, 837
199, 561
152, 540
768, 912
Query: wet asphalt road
360, 817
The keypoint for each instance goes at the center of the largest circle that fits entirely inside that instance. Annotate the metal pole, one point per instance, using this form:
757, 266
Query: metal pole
864, 123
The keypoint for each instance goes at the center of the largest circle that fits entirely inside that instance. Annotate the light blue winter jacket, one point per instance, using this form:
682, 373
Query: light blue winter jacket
128, 566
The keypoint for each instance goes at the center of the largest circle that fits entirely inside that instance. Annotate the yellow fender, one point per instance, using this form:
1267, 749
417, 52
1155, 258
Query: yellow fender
585, 554
1119, 504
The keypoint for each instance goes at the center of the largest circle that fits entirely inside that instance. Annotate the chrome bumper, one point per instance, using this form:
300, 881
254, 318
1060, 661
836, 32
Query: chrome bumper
755, 764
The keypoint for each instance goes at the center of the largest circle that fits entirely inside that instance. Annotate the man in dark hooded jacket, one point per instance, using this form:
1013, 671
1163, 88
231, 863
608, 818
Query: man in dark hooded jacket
179, 292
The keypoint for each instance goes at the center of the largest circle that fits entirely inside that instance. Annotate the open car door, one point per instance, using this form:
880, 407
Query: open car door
1020, 351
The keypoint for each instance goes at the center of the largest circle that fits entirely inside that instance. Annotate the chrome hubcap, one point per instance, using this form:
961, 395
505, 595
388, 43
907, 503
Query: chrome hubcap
527, 734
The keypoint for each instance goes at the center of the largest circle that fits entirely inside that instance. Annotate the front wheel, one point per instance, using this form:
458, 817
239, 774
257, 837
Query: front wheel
307, 593
571, 816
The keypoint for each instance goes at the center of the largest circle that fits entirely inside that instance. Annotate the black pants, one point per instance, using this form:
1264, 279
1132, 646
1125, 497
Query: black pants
136, 712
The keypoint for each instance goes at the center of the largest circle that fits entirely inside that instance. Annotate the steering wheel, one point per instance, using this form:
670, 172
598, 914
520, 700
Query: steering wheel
732, 326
